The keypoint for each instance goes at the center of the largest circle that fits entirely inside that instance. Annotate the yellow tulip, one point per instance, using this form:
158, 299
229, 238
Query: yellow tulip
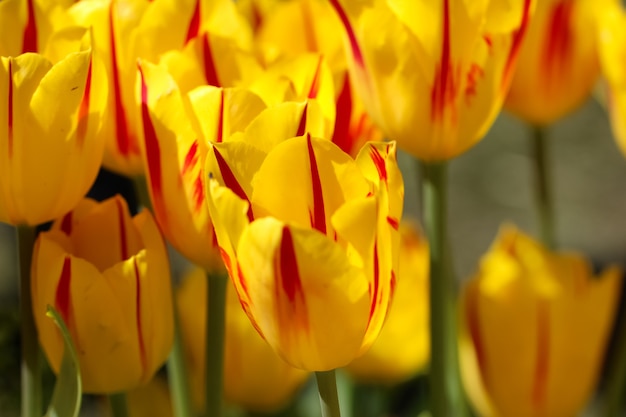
433, 74
403, 346
177, 130
50, 151
308, 235
254, 376
558, 63
29, 25
108, 276
293, 28
124, 31
535, 326
612, 48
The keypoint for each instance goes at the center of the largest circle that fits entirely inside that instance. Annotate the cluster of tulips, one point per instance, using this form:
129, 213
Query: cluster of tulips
262, 136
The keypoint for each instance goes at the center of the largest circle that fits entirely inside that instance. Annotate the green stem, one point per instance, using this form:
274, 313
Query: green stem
446, 396
141, 190
119, 405
542, 188
216, 324
613, 399
327, 388
177, 374
31, 369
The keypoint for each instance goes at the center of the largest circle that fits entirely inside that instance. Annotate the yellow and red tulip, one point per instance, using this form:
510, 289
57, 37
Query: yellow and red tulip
108, 276
49, 154
297, 27
558, 63
433, 75
532, 305
124, 31
254, 376
403, 347
309, 234
29, 25
177, 131
218, 53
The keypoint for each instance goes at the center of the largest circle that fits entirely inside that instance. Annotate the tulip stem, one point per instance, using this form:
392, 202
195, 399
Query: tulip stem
119, 405
177, 374
446, 396
141, 190
31, 370
216, 324
542, 188
327, 388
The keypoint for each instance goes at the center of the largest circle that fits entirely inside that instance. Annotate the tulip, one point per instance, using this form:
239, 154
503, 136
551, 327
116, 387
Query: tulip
309, 234
403, 346
535, 326
29, 26
124, 31
612, 47
177, 130
108, 276
310, 26
50, 154
254, 376
433, 75
558, 63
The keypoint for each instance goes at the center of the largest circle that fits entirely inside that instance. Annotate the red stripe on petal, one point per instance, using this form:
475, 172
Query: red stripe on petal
191, 158
63, 295
393, 222
121, 124
341, 135
10, 110
319, 215
153, 152
242, 281
83, 111
210, 71
315, 83
66, 224
559, 40
140, 339
379, 162
220, 120
198, 192
122, 227
194, 23
29, 43
302, 126
231, 181
444, 88
516, 44
375, 293
355, 49
287, 268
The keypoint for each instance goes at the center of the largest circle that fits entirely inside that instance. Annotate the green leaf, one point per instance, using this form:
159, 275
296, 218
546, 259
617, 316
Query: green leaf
68, 388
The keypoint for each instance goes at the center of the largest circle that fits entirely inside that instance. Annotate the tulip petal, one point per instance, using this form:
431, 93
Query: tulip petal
155, 312
234, 110
118, 238
94, 313
175, 158
297, 165
300, 282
